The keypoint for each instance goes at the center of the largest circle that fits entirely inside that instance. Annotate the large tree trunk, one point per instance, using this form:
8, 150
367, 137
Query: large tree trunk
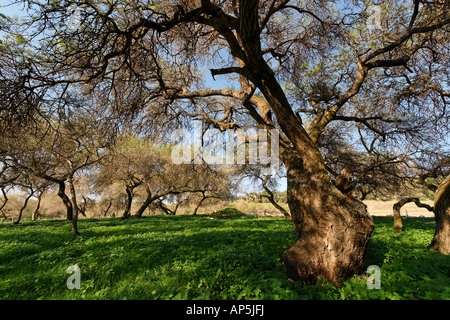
441, 239
333, 230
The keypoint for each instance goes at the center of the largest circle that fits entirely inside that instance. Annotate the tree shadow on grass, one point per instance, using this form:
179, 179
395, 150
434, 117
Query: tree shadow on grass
118, 251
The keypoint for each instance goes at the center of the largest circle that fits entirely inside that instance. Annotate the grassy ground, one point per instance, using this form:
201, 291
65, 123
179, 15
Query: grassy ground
185, 257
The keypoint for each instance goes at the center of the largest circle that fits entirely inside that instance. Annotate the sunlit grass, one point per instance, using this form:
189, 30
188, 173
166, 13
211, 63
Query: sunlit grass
185, 257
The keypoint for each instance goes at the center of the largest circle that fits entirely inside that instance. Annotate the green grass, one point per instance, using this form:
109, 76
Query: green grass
185, 257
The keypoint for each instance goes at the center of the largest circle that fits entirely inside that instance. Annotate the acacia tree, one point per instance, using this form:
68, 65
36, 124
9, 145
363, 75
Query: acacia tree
78, 144
138, 164
210, 182
39, 193
132, 162
281, 55
259, 175
55, 150
432, 172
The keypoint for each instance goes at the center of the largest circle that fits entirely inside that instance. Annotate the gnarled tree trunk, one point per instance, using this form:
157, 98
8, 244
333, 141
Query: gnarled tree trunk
333, 230
441, 239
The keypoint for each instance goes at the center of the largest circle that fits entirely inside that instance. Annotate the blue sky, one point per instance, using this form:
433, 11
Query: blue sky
11, 10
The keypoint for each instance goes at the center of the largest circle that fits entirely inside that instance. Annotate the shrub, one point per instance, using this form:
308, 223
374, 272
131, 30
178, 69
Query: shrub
227, 213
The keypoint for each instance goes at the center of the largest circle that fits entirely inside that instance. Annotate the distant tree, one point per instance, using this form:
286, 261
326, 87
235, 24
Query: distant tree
56, 151
80, 143
138, 164
131, 162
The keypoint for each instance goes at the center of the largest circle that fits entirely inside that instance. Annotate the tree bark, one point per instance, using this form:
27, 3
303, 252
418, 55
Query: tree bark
73, 196
333, 230
398, 223
441, 239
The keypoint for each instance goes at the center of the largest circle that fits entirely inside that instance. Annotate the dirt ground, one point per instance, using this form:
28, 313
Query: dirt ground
384, 208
